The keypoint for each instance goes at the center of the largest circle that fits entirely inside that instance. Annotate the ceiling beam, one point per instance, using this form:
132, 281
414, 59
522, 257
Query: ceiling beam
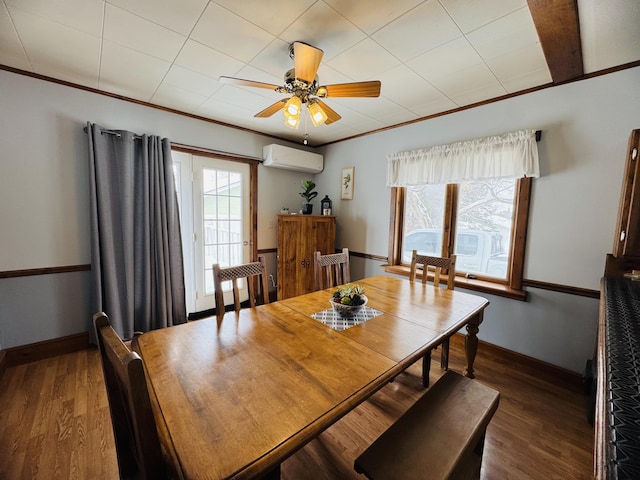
559, 31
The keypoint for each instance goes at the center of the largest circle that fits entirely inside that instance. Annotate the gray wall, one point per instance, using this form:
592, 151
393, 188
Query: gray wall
44, 199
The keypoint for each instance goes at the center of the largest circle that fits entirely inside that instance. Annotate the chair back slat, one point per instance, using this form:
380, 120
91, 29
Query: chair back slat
438, 264
255, 276
136, 437
332, 269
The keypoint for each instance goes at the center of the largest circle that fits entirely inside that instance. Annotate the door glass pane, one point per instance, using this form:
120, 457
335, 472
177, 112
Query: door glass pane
483, 229
223, 227
423, 220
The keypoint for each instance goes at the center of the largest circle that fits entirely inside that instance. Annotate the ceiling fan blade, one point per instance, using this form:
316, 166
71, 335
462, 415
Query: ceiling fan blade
271, 109
332, 115
306, 60
355, 89
247, 83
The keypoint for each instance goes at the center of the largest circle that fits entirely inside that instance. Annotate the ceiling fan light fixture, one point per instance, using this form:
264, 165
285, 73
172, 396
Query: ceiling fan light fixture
318, 115
292, 122
293, 107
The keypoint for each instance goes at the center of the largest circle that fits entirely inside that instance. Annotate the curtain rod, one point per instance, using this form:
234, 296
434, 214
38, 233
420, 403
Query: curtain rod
112, 132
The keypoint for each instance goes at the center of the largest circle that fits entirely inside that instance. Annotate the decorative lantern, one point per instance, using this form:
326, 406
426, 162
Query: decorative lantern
325, 205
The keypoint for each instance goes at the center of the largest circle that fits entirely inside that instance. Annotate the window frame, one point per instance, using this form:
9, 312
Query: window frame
512, 287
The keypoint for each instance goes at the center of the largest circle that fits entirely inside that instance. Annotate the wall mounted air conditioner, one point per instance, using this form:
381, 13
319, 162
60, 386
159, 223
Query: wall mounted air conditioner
279, 156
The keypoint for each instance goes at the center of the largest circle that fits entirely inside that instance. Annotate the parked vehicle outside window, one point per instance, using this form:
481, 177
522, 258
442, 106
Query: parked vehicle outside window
477, 252
480, 215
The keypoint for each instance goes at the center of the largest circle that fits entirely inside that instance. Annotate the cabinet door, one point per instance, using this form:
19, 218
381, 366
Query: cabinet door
289, 233
627, 242
320, 233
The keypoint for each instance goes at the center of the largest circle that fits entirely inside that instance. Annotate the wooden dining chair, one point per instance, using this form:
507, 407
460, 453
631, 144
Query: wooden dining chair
137, 442
438, 264
332, 269
254, 274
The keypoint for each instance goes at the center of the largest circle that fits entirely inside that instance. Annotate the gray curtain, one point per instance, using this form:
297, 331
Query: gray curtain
136, 249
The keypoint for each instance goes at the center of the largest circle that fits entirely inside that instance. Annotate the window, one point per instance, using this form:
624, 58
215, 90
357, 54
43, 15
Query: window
483, 222
469, 198
481, 229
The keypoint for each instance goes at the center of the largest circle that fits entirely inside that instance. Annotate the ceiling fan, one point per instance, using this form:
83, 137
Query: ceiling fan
301, 83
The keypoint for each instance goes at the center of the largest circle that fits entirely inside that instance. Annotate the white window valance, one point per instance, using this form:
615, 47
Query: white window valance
512, 155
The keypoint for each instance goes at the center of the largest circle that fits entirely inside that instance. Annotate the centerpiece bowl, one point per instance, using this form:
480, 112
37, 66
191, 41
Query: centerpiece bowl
348, 300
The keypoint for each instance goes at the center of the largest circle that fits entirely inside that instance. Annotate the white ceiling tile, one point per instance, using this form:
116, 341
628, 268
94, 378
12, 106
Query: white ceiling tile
421, 29
610, 33
79, 62
324, 28
190, 81
142, 35
11, 51
518, 63
127, 72
401, 116
230, 34
377, 108
431, 107
207, 61
445, 60
223, 111
471, 14
179, 16
466, 80
405, 87
274, 59
508, 33
273, 16
371, 15
329, 76
479, 94
83, 15
517, 83
364, 61
177, 98
356, 119
243, 98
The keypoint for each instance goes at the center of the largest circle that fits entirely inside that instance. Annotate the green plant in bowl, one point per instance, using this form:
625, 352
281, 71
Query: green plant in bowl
347, 301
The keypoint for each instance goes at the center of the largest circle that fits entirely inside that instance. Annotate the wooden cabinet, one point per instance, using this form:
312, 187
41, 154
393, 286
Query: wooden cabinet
627, 240
298, 237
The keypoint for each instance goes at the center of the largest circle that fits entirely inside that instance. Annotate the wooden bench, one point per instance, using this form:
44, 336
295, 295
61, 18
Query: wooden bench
440, 437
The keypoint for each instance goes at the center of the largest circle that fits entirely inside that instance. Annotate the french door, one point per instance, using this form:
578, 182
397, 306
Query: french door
220, 229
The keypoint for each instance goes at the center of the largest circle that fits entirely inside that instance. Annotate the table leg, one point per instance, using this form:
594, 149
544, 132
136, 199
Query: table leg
471, 343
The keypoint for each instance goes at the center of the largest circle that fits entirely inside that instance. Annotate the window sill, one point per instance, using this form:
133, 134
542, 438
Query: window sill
474, 284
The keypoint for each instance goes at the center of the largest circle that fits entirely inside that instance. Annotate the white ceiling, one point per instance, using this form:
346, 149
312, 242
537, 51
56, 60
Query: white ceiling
431, 56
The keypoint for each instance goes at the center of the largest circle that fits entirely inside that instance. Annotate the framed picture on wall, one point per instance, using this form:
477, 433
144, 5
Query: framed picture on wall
346, 188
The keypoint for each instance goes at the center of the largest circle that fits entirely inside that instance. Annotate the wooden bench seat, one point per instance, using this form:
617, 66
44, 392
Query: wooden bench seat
440, 437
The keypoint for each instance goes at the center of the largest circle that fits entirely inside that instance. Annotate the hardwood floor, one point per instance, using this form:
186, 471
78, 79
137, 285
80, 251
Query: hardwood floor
54, 423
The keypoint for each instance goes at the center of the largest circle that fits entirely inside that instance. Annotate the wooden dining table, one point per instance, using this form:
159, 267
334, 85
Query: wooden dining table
237, 397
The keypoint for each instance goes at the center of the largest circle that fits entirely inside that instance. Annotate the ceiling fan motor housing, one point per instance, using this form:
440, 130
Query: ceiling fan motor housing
299, 87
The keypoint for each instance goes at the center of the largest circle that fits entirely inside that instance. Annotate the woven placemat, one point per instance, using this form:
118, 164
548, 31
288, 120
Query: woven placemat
332, 320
